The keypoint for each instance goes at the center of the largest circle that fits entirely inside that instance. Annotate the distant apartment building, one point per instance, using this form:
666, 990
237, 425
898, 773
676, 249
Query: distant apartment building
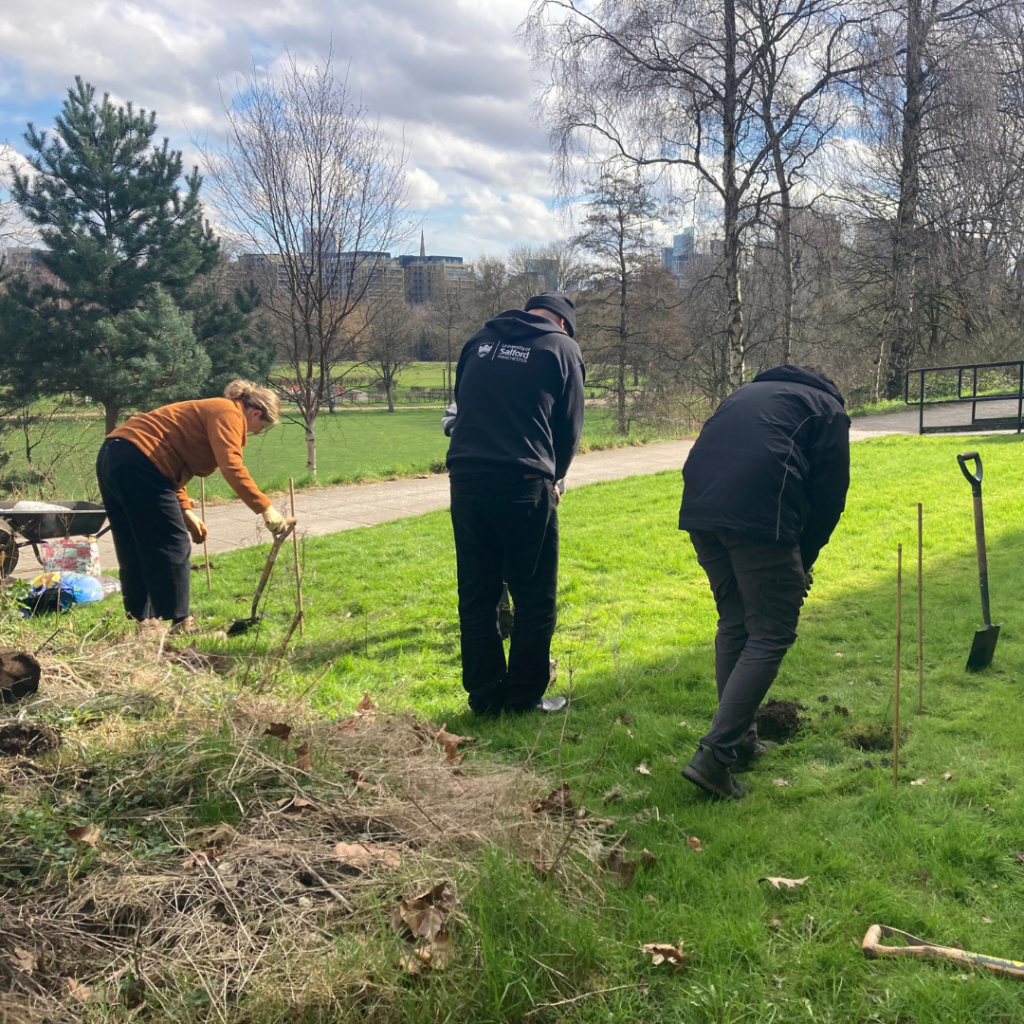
361, 273
680, 254
419, 278
427, 278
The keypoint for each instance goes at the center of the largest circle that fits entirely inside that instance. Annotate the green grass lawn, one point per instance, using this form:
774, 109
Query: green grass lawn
352, 446
635, 643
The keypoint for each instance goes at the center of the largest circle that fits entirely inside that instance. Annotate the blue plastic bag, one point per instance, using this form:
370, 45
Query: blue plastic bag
60, 593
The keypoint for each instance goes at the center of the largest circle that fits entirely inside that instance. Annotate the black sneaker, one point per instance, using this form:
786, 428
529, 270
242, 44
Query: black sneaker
713, 777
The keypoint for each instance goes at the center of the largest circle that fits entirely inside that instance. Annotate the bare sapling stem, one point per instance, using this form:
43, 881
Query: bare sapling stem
298, 569
899, 643
920, 612
202, 512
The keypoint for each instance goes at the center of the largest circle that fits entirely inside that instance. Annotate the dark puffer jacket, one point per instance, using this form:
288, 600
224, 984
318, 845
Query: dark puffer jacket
519, 393
773, 463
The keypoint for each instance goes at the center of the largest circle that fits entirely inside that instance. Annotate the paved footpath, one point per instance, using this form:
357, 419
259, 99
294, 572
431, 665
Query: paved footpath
348, 507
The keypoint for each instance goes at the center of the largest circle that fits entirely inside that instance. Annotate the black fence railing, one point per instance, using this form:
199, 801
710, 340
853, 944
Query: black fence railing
996, 388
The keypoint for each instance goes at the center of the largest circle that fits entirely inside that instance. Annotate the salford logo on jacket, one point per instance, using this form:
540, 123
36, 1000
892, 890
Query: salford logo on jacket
519, 394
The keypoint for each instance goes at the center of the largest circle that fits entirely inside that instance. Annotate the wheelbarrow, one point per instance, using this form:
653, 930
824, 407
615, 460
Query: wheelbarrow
82, 519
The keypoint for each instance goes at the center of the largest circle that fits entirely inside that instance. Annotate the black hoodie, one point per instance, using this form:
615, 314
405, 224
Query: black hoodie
519, 393
773, 463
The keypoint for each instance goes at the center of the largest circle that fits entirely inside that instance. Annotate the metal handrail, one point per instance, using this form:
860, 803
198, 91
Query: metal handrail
971, 371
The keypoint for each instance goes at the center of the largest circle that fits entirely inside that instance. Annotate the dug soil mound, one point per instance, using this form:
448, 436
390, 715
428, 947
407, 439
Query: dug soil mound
23, 739
779, 720
19, 675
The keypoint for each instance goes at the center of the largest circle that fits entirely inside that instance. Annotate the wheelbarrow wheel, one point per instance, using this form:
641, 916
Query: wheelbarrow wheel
9, 554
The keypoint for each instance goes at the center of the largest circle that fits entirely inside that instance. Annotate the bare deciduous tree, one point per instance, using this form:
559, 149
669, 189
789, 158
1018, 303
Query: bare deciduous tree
308, 180
670, 85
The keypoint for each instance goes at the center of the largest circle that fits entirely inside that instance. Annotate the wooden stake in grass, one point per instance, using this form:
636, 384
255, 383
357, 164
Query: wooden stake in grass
920, 616
202, 512
899, 643
298, 570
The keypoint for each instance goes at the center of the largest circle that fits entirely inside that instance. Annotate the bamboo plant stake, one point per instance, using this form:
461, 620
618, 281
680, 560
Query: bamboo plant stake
899, 641
298, 571
920, 615
202, 510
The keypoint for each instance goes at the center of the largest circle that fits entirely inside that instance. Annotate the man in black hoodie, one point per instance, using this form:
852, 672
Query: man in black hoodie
763, 489
517, 424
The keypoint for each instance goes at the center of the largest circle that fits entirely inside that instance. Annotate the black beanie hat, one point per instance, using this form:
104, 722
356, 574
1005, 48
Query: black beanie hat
559, 304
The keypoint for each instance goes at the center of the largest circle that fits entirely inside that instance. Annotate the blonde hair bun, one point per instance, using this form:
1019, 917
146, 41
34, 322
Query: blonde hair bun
254, 397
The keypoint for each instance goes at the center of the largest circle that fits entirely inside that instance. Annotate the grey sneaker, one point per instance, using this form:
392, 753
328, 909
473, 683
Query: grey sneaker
711, 776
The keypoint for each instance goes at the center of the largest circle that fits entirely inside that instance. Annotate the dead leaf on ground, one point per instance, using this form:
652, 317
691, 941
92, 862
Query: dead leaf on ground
77, 990
918, 782
279, 730
84, 834
694, 844
780, 782
451, 742
364, 856
643, 769
423, 917
366, 706
355, 775
784, 883
948, 777
294, 804
25, 961
302, 758
558, 800
625, 870
201, 859
663, 953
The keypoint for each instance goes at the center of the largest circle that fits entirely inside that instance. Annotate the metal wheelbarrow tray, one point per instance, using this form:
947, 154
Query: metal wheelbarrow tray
82, 519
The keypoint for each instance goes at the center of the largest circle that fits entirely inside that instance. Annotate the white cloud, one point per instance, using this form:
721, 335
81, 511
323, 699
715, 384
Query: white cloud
447, 77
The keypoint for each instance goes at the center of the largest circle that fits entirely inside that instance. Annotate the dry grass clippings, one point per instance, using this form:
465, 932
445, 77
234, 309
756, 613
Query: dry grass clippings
242, 908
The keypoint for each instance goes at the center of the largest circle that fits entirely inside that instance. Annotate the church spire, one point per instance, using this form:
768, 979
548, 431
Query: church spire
423, 244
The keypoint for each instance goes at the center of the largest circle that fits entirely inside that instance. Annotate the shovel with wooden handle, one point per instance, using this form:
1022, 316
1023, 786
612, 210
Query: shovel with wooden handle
984, 645
915, 948
241, 625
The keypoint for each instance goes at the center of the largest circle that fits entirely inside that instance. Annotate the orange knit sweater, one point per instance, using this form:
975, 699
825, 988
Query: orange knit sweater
190, 439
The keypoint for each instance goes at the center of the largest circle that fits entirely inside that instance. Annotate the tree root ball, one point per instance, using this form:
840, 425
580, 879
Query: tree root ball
19, 675
24, 739
778, 720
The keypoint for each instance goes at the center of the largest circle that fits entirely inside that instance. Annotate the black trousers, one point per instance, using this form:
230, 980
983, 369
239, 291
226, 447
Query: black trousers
759, 589
506, 531
154, 550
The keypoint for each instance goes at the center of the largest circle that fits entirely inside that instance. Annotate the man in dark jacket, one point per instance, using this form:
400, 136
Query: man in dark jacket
763, 489
518, 416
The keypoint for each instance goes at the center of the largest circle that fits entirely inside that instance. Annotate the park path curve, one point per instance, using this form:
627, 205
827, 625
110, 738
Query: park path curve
350, 506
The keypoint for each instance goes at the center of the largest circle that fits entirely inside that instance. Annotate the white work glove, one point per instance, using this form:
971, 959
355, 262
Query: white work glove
276, 523
448, 419
195, 526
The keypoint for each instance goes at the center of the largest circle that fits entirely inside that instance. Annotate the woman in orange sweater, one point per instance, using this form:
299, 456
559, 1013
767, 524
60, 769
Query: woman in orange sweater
143, 468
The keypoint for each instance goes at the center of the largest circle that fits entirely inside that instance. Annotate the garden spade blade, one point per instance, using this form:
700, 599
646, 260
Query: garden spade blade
984, 646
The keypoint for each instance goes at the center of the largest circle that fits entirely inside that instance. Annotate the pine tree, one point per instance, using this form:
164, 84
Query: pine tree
120, 234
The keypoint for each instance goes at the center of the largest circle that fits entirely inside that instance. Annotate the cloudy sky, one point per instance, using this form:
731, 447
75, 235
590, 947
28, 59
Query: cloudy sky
450, 72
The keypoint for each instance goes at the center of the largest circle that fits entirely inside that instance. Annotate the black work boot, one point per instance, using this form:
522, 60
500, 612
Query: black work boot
748, 753
713, 777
